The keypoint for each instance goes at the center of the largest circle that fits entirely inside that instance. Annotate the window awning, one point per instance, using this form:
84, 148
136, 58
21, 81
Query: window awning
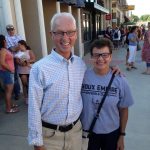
97, 7
80, 3
77, 3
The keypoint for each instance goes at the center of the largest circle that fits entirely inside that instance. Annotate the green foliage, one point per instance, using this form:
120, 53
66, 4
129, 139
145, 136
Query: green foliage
135, 18
145, 18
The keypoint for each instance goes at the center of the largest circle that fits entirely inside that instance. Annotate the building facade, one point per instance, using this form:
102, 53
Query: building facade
32, 20
118, 12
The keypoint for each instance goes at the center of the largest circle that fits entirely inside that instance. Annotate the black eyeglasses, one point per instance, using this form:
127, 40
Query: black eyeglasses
10, 29
61, 34
103, 55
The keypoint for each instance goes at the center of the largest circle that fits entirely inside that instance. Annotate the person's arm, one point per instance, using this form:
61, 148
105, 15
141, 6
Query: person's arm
119, 34
148, 34
35, 96
107, 35
123, 122
32, 57
126, 100
2, 60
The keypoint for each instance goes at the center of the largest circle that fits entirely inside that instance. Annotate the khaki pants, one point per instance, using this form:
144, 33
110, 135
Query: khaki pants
85, 143
56, 140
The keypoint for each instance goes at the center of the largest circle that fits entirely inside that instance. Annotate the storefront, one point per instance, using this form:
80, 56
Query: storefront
92, 18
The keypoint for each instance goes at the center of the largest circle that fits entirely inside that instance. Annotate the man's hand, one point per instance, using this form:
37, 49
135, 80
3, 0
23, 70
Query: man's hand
39, 148
116, 69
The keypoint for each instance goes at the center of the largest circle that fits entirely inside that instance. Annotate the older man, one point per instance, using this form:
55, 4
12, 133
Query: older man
12, 44
55, 102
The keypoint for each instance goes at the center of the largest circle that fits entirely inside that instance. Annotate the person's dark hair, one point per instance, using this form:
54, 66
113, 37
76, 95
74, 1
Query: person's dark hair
133, 29
2, 41
22, 42
103, 42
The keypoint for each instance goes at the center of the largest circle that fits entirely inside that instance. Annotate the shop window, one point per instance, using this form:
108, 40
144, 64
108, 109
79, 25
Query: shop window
86, 17
98, 25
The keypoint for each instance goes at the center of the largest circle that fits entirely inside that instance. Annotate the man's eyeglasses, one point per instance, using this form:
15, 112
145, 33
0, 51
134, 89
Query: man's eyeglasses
61, 34
103, 55
11, 29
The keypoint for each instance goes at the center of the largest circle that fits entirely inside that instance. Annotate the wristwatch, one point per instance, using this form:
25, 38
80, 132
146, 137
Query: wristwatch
122, 133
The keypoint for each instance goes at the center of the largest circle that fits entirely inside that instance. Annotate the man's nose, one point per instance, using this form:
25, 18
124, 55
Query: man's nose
65, 34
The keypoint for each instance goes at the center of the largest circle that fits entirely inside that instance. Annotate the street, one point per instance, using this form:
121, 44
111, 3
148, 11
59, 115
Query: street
13, 127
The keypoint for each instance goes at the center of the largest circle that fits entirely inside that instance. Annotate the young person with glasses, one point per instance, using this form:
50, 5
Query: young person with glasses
109, 129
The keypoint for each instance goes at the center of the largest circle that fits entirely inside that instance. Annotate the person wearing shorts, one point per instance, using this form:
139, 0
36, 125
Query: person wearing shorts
7, 74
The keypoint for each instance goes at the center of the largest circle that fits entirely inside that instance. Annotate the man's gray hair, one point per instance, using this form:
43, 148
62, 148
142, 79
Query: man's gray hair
59, 15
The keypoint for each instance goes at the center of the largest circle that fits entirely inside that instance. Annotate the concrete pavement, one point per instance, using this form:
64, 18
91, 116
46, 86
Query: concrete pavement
13, 127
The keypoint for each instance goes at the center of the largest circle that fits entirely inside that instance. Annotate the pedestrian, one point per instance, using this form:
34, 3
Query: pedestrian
133, 41
12, 44
109, 130
146, 51
7, 74
55, 102
116, 35
127, 42
108, 33
143, 32
123, 36
24, 59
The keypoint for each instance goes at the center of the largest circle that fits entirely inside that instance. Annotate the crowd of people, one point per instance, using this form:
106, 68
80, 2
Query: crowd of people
131, 36
15, 61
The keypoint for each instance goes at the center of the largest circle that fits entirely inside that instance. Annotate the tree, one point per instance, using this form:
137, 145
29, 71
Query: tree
145, 17
135, 18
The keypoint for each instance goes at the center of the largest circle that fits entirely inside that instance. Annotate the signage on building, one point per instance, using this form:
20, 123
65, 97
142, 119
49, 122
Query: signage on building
131, 7
108, 16
114, 20
128, 7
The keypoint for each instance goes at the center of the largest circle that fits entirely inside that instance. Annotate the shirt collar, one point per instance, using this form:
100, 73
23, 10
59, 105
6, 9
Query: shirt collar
61, 58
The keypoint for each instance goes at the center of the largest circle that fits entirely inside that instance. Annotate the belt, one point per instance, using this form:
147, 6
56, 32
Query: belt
63, 128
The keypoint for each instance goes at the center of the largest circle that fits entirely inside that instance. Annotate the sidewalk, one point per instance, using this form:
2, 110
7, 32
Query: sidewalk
13, 127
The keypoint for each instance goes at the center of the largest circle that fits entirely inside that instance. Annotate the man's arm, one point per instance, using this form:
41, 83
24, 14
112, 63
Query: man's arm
34, 107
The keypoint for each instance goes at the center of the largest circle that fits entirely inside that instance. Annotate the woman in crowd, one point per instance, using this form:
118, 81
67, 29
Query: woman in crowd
133, 41
24, 58
146, 51
109, 130
7, 74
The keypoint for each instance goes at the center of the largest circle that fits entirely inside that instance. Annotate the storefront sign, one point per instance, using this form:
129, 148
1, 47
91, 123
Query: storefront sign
128, 7
114, 20
108, 17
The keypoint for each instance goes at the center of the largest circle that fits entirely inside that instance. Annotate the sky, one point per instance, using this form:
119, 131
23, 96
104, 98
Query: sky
141, 7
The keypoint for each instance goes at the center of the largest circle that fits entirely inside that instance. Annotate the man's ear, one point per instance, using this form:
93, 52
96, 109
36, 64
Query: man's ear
51, 34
